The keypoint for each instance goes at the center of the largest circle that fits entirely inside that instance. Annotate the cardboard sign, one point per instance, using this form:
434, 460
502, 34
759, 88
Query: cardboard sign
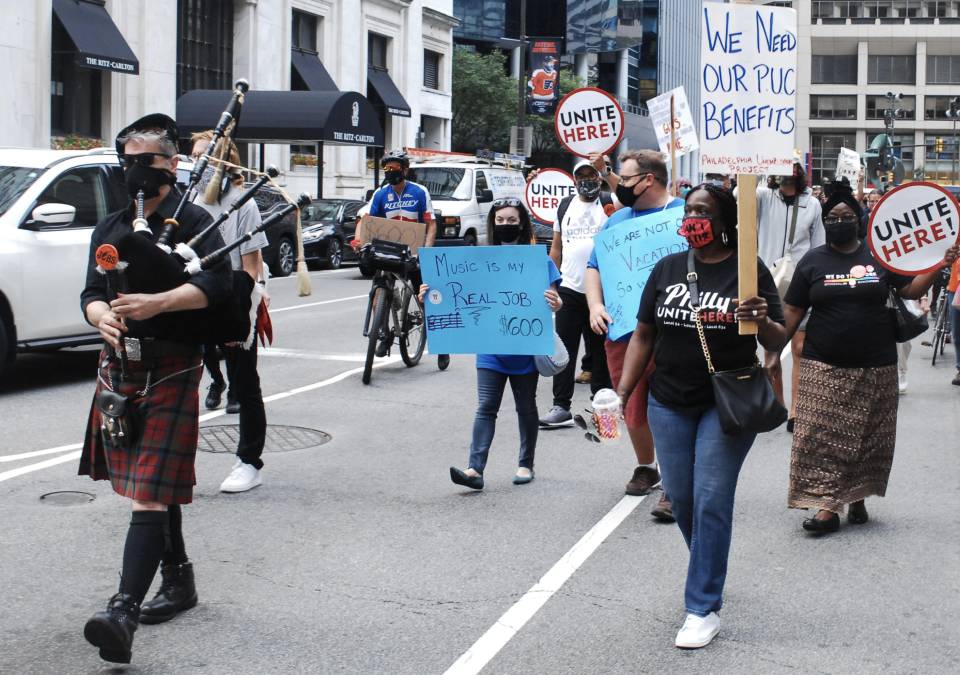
401, 231
748, 87
487, 300
684, 131
848, 164
912, 227
625, 255
589, 120
546, 191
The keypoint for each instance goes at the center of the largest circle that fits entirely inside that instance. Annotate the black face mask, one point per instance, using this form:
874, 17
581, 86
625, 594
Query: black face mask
625, 195
840, 233
149, 179
588, 189
394, 176
507, 233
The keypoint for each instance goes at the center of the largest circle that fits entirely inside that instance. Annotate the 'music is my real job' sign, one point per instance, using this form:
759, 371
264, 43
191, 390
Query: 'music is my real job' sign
748, 86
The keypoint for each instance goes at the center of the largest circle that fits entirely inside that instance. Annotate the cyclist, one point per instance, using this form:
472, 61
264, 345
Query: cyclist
401, 199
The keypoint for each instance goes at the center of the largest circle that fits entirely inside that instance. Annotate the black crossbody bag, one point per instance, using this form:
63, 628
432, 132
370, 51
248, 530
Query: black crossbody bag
745, 400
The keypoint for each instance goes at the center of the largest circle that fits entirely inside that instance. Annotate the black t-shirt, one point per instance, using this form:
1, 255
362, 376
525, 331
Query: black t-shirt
681, 377
850, 325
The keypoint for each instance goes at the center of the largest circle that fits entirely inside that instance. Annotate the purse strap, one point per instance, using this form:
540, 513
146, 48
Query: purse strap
793, 221
695, 306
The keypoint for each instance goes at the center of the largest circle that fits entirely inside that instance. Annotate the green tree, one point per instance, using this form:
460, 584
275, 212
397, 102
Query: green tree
484, 101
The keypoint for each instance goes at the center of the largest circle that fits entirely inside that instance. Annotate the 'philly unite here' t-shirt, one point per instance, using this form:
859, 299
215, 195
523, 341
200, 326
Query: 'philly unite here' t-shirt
682, 377
850, 325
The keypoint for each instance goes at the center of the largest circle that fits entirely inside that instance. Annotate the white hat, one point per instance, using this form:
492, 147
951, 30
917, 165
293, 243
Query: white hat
582, 163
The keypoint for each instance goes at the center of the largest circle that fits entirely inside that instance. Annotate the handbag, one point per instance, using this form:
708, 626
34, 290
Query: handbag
121, 420
744, 397
550, 365
783, 268
909, 320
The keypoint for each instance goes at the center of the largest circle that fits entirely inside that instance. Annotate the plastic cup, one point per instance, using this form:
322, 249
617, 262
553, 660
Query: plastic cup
606, 413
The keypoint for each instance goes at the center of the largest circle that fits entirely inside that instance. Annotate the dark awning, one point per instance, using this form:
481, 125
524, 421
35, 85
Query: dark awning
97, 38
312, 72
334, 117
388, 92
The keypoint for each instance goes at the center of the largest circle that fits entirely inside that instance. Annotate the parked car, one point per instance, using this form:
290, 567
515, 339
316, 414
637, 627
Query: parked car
329, 225
281, 251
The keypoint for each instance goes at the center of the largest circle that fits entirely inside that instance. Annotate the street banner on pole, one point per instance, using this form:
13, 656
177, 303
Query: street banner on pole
685, 133
748, 85
543, 87
546, 191
625, 254
487, 300
589, 120
912, 227
848, 164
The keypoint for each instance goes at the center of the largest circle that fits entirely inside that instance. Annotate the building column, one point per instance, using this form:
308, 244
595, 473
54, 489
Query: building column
623, 71
580, 69
921, 64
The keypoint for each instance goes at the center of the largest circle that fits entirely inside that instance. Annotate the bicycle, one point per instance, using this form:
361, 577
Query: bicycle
941, 328
392, 313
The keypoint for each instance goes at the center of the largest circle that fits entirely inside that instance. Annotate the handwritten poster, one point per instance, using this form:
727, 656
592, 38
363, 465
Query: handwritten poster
848, 164
487, 300
589, 120
748, 87
625, 254
684, 131
912, 227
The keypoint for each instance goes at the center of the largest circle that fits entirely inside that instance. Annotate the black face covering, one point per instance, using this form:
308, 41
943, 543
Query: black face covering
149, 179
840, 233
394, 176
507, 233
625, 195
588, 189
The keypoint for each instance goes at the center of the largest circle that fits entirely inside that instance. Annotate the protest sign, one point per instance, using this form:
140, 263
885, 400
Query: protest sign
543, 87
400, 231
748, 86
913, 226
625, 255
848, 164
487, 300
589, 120
546, 191
685, 134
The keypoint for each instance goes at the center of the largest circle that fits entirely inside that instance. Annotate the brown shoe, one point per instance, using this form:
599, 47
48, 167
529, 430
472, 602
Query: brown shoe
662, 511
583, 378
643, 481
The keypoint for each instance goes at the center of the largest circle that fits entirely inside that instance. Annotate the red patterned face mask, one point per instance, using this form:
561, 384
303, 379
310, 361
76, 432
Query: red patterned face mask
697, 231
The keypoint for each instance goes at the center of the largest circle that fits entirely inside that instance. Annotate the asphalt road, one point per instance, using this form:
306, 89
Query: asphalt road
360, 555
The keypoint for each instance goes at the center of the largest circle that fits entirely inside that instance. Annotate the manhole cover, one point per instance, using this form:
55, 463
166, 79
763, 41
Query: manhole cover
279, 439
67, 498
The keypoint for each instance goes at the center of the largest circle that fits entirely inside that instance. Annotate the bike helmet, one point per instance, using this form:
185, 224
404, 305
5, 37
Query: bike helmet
395, 156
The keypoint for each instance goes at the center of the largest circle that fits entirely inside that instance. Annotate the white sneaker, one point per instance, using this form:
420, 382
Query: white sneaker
243, 477
698, 631
902, 376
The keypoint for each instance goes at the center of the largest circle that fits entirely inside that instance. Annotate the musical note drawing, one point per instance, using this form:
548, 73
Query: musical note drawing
477, 313
444, 321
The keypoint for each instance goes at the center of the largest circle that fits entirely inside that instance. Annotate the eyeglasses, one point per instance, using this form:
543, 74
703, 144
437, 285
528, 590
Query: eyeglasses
142, 158
849, 219
624, 179
506, 201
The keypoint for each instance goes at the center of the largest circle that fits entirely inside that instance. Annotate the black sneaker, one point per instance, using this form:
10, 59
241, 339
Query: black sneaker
215, 395
443, 361
112, 631
233, 406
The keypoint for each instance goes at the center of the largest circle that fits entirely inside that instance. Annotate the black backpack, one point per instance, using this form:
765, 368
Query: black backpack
605, 200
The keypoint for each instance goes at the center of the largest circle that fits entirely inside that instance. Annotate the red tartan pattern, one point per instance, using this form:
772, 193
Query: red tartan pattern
161, 466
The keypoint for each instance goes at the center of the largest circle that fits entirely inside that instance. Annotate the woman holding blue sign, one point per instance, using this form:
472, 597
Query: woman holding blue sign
508, 224
700, 463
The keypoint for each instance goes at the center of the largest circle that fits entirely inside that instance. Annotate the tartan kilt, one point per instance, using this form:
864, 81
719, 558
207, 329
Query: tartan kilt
160, 468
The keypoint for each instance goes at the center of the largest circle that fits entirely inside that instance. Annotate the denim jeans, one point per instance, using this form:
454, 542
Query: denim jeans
490, 386
954, 326
700, 465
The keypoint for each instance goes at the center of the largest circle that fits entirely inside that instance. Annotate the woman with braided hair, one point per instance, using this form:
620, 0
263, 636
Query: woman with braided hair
699, 463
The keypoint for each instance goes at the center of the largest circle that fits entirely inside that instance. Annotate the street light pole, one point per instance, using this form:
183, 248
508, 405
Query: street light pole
953, 113
887, 159
521, 140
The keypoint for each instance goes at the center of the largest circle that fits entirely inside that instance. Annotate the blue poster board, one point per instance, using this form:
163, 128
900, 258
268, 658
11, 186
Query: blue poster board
625, 255
487, 300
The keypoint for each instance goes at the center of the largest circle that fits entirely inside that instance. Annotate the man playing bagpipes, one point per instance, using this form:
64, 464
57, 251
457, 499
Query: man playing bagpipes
143, 426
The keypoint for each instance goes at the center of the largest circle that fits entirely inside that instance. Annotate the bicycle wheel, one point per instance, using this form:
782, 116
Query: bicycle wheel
939, 336
413, 337
377, 324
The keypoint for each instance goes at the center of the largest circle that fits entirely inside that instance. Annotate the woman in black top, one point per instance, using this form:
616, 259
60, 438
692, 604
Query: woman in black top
846, 423
699, 463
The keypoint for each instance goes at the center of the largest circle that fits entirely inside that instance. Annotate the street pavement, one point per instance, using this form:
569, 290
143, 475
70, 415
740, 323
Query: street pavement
360, 555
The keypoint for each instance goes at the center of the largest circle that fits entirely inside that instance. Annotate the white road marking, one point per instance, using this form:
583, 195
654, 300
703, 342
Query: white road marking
6, 475
37, 453
484, 649
316, 274
314, 356
314, 304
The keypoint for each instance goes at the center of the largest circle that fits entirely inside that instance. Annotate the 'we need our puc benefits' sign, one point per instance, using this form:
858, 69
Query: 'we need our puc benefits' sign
748, 87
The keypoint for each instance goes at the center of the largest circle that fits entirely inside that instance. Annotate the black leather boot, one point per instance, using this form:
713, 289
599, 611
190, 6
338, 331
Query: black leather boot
177, 593
112, 631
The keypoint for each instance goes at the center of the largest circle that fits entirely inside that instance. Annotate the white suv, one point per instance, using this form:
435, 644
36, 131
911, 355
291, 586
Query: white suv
50, 201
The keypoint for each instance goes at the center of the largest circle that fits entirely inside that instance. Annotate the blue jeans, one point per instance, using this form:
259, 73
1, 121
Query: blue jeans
700, 465
490, 386
954, 326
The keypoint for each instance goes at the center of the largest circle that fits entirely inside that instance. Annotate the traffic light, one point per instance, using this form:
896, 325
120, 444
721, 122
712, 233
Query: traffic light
889, 176
938, 145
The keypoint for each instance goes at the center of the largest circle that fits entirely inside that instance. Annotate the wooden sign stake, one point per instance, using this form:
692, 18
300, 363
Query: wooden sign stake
747, 243
673, 148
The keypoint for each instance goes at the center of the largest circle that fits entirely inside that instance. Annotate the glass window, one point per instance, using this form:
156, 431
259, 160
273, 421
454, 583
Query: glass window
882, 69
204, 45
481, 19
943, 69
320, 210
14, 181
481, 183
822, 10
877, 104
834, 69
350, 211
304, 32
824, 149
377, 51
936, 107
444, 183
82, 189
431, 69
833, 107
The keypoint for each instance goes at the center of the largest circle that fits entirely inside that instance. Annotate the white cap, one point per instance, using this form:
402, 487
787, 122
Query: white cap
582, 163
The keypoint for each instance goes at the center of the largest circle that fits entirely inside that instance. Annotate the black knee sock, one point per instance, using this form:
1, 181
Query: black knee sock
145, 545
177, 553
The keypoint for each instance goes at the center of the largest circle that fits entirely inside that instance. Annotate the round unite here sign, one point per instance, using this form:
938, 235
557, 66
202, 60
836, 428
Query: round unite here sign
589, 120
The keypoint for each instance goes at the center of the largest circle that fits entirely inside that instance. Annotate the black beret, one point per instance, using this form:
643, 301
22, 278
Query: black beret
152, 122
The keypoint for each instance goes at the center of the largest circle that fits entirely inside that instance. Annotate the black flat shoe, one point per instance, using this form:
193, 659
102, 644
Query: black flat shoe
460, 478
814, 525
858, 518
790, 424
